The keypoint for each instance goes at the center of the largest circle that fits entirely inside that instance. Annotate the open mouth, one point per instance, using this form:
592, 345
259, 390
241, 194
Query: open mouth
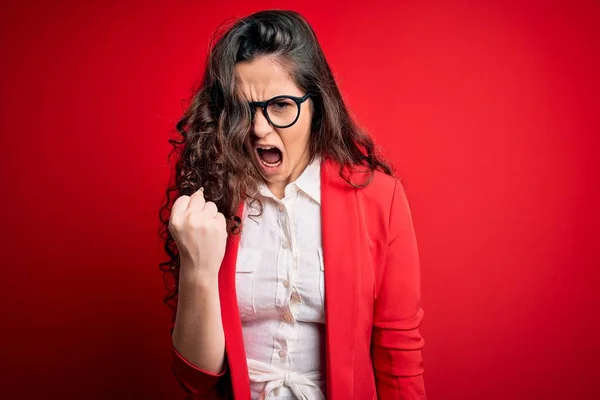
269, 156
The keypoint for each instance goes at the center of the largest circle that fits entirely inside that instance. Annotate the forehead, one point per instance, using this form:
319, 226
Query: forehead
264, 78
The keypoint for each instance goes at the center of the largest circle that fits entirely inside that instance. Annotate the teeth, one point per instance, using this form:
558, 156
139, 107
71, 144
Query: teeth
269, 164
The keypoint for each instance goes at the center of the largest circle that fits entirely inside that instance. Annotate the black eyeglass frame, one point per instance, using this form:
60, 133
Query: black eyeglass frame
265, 104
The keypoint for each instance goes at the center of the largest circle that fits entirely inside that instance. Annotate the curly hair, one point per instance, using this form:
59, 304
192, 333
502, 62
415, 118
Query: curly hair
209, 148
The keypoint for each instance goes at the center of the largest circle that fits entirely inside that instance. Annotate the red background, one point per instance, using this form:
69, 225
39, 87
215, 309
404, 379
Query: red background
488, 109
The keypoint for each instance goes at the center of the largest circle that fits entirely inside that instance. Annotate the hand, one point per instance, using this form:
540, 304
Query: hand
200, 232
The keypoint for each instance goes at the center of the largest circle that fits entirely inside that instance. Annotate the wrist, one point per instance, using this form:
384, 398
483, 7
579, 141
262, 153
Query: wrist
193, 278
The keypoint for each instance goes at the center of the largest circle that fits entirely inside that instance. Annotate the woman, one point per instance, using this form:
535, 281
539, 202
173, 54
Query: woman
291, 243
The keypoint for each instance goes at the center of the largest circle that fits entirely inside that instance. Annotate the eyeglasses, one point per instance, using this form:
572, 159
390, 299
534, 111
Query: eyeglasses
280, 111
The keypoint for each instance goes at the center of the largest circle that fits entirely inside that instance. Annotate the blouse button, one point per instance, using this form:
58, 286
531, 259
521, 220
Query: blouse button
287, 318
285, 245
282, 353
286, 283
280, 208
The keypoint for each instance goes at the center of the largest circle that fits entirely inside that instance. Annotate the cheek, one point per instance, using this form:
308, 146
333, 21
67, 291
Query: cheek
296, 142
295, 139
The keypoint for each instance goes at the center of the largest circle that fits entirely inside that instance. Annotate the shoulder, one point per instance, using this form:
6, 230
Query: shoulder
380, 192
374, 198
382, 184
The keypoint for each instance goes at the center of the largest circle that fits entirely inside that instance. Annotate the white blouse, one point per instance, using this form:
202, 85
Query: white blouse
281, 291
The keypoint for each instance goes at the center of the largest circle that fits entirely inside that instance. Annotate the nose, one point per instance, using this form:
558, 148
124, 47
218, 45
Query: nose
261, 126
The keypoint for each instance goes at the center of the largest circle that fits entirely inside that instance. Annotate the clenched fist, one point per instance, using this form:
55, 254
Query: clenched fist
200, 232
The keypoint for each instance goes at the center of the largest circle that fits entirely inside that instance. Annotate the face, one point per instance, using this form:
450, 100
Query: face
280, 154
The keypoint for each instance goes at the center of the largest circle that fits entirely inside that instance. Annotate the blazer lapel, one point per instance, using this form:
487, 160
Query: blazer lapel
232, 327
341, 256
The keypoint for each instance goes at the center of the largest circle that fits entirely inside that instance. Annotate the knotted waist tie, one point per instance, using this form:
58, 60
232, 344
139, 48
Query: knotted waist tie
276, 378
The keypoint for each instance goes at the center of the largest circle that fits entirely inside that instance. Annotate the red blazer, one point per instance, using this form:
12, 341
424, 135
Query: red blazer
372, 299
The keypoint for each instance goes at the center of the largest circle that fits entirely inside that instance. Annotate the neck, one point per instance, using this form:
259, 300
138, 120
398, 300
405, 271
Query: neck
278, 188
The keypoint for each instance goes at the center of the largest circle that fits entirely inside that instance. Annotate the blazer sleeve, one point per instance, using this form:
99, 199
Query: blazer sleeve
199, 384
396, 341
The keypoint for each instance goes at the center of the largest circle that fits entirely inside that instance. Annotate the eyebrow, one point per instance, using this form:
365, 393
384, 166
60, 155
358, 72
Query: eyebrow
271, 98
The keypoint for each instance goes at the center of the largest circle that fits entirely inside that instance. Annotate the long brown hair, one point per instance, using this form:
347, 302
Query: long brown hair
210, 150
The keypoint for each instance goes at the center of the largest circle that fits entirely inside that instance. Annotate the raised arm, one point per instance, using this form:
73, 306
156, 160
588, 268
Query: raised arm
198, 339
